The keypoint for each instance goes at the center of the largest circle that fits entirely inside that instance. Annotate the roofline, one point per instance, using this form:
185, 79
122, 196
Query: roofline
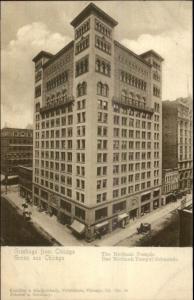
152, 52
42, 54
92, 8
16, 128
60, 52
131, 52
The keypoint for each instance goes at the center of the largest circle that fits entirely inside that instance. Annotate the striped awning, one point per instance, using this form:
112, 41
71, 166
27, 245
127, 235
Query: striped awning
99, 225
77, 226
122, 216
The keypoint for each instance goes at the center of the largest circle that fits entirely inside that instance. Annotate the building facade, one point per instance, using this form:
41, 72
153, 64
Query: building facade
97, 128
25, 182
169, 180
177, 140
16, 149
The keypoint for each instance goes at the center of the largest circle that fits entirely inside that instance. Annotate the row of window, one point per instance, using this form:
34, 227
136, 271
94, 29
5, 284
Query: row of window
82, 44
102, 89
65, 120
82, 66
132, 80
131, 156
63, 110
131, 145
131, 133
82, 29
131, 178
131, 122
102, 28
118, 108
156, 91
103, 66
56, 81
102, 44
128, 168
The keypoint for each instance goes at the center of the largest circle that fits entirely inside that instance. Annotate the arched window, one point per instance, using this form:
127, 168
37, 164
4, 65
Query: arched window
99, 88
98, 65
81, 89
103, 67
84, 88
78, 90
81, 67
106, 90
108, 69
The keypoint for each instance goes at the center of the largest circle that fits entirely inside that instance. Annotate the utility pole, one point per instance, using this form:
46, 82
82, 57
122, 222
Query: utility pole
6, 179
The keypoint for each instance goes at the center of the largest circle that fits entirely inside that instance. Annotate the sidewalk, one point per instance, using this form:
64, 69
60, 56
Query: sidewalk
115, 237
49, 224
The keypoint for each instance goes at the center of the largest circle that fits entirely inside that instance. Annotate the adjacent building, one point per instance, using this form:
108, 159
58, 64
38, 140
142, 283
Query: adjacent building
177, 140
97, 128
170, 184
16, 149
25, 182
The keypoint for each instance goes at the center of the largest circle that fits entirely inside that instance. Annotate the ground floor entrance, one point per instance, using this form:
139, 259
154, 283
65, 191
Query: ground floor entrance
145, 208
156, 204
64, 219
133, 214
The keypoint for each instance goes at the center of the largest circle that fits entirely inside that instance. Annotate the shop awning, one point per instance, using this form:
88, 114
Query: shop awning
12, 177
156, 190
77, 226
122, 216
97, 226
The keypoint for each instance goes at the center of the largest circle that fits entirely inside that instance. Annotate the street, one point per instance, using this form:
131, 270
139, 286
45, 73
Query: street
15, 231
45, 229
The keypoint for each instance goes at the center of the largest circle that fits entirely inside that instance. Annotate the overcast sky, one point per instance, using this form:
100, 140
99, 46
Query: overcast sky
29, 27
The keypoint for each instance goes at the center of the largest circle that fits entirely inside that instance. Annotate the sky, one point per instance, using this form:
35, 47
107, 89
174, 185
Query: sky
28, 27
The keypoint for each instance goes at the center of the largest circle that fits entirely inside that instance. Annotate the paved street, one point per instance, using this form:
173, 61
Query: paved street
65, 237
155, 218
57, 230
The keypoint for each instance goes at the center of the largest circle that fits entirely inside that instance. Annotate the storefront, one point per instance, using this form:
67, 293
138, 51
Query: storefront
156, 204
43, 205
26, 194
133, 214
78, 228
64, 218
102, 228
123, 219
145, 208
53, 211
170, 197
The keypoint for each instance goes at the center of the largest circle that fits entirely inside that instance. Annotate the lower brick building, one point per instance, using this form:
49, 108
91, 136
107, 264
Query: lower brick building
16, 149
25, 182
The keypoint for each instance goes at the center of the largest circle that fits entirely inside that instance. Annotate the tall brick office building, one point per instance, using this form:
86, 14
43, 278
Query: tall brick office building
177, 139
97, 128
